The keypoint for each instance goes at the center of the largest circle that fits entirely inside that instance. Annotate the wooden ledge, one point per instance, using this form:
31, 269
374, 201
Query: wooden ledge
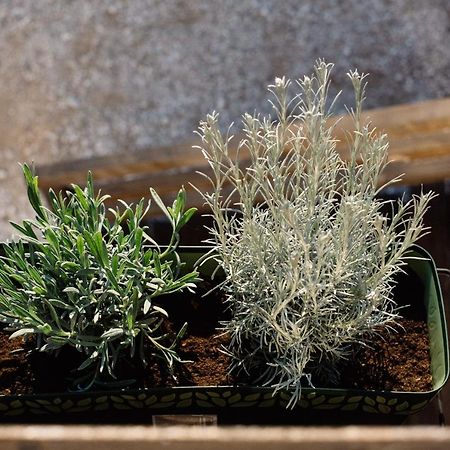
419, 136
41, 437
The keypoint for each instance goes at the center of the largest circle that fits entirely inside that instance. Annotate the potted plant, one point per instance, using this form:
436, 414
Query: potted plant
310, 257
77, 279
300, 247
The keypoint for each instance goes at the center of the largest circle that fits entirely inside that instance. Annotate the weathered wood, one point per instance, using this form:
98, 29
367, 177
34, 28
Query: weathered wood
406, 119
419, 147
212, 438
427, 170
121, 166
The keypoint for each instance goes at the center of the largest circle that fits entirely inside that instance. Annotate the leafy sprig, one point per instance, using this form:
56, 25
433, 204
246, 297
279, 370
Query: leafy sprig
77, 278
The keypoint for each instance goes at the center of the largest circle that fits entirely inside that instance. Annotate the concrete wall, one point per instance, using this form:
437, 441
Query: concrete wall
84, 77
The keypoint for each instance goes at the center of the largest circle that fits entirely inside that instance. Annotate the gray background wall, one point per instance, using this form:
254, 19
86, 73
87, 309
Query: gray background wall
83, 77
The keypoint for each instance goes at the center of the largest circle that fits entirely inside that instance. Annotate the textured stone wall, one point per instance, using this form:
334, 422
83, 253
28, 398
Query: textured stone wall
84, 77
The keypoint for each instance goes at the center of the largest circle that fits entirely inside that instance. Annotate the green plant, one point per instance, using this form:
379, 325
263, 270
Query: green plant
77, 278
310, 258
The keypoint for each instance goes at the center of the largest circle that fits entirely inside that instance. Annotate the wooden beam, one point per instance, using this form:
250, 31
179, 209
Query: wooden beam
19, 437
122, 166
406, 119
419, 136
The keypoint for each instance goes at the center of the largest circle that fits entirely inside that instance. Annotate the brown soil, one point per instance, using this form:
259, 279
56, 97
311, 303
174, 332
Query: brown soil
15, 373
397, 361
394, 360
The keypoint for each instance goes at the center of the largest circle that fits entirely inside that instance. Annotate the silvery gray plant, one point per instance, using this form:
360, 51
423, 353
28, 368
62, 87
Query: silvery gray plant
309, 257
78, 278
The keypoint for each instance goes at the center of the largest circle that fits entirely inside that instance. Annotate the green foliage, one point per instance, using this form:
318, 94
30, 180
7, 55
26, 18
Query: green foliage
77, 278
309, 258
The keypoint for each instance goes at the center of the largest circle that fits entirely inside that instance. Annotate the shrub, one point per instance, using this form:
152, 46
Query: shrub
309, 258
76, 278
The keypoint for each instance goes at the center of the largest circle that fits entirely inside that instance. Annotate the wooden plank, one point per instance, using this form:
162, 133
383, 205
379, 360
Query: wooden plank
121, 166
419, 171
217, 438
428, 170
419, 144
399, 120
403, 120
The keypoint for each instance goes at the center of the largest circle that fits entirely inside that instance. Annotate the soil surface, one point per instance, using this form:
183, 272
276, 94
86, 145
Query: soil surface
395, 359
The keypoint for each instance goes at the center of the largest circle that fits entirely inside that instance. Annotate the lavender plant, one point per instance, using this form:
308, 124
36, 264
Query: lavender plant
76, 278
310, 258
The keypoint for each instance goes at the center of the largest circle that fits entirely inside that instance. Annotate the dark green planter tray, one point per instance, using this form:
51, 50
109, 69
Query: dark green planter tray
240, 402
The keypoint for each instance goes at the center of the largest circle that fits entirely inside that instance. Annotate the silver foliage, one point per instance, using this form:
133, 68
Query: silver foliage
309, 256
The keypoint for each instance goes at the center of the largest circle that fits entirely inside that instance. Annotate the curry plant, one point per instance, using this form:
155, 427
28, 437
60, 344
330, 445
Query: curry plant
309, 258
76, 278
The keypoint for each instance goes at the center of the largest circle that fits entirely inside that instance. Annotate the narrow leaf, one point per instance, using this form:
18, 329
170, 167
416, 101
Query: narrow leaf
22, 332
160, 204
